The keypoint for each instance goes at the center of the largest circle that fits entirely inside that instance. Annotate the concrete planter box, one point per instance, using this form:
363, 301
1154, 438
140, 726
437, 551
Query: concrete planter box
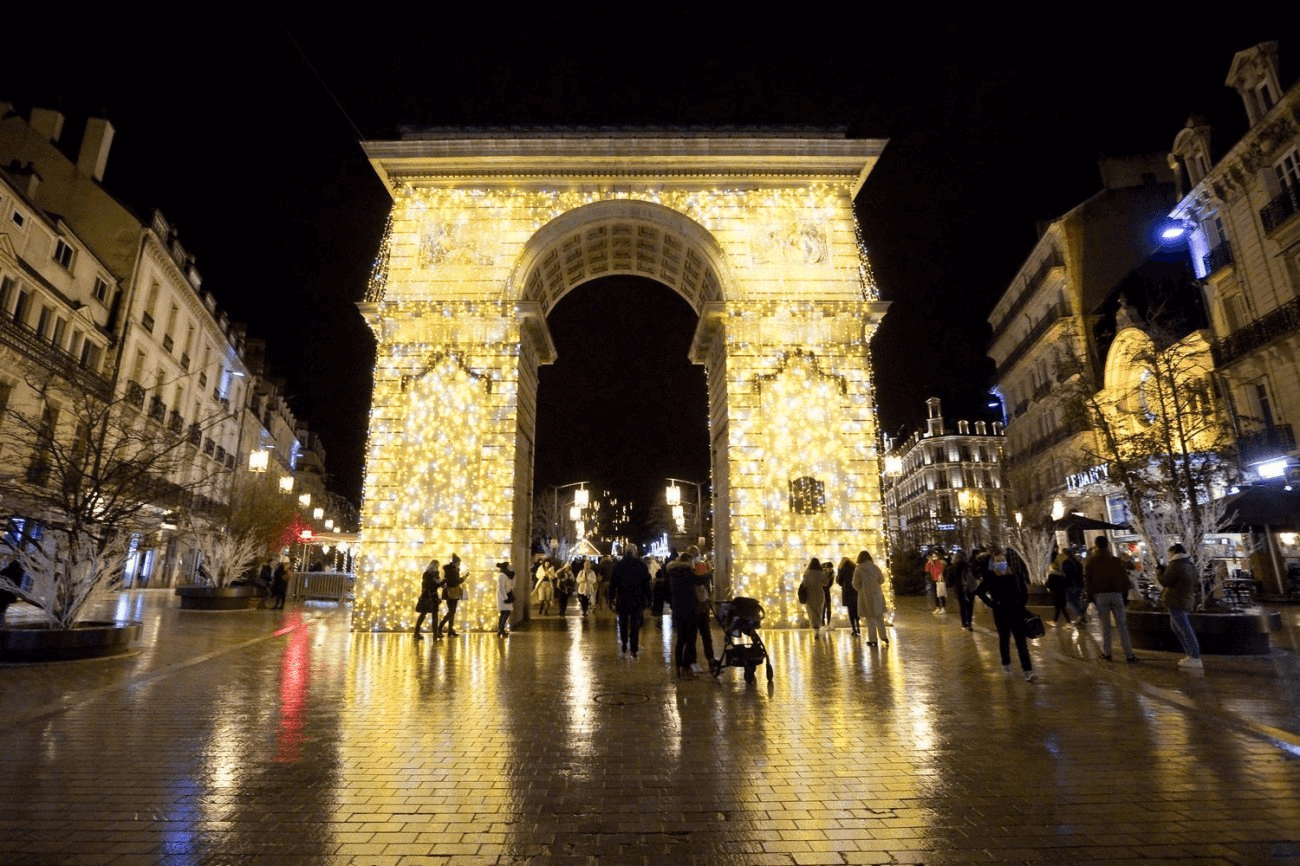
1217, 633
223, 598
86, 640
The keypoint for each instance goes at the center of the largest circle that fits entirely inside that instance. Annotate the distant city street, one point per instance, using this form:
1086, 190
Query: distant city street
279, 736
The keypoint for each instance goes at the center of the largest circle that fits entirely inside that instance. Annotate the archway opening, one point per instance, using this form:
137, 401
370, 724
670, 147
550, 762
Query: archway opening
620, 412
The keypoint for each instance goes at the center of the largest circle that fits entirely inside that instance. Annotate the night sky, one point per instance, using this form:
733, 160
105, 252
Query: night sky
245, 135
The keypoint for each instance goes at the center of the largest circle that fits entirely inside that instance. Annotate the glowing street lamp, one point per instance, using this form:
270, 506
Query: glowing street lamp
259, 460
286, 484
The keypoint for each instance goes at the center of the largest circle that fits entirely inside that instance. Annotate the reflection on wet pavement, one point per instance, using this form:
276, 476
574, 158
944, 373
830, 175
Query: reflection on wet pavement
279, 736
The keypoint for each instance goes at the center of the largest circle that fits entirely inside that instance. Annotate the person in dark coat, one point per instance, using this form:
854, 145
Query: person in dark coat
681, 589
629, 595
452, 591
1007, 593
280, 583
15, 574
848, 595
428, 601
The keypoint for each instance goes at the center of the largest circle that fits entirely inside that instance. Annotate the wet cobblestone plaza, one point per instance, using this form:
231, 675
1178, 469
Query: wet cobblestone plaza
281, 737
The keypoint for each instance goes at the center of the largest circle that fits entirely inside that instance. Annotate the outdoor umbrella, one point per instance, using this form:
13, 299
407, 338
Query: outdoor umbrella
1081, 523
1261, 506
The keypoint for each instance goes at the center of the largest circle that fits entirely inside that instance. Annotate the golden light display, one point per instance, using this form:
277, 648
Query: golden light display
477, 251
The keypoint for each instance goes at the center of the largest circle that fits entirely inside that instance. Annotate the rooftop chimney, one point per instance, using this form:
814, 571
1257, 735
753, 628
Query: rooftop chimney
94, 147
48, 123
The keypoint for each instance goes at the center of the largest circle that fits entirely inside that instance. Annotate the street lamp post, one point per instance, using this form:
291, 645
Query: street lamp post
673, 495
581, 500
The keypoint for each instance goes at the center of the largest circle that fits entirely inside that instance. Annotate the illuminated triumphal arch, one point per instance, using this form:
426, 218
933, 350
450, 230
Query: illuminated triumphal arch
488, 232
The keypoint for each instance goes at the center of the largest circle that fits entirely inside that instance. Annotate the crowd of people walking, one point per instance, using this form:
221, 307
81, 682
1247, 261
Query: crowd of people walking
629, 585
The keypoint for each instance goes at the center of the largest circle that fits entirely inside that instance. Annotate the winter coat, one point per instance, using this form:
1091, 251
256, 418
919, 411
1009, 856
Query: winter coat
814, 582
587, 582
681, 588
848, 595
429, 585
1105, 572
505, 585
452, 581
1179, 582
869, 583
629, 585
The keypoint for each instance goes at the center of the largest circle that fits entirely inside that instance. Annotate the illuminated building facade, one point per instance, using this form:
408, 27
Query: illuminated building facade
487, 233
1243, 212
1045, 337
944, 486
120, 302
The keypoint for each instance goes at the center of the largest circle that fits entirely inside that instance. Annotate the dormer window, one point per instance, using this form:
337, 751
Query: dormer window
64, 253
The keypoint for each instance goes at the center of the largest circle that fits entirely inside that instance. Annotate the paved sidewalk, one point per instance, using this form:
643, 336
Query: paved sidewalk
280, 737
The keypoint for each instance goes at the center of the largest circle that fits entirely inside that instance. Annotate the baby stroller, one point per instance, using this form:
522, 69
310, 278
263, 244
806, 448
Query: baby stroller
740, 619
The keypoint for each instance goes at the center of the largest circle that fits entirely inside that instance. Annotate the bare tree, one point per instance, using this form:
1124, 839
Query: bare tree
1034, 540
89, 470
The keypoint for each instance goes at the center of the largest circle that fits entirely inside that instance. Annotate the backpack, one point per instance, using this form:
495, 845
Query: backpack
968, 581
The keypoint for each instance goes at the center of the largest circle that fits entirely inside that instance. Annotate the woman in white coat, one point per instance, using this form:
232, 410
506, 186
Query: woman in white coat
505, 596
869, 582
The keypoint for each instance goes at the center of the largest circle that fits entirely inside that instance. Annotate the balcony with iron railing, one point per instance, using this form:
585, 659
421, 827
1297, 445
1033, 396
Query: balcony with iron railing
1266, 443
157, 409
1029, 291
1054, 313
134, 394
175, 423
1264, 330
1219, 257
27, 341
195, 434
1280, 209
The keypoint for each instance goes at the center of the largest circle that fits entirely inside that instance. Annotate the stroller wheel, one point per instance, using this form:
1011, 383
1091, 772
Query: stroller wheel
769, 672
749, 674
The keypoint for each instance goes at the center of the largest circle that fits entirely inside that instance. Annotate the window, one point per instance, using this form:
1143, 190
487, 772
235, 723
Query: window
807, 495
1287, 170
1233, 314
63, 253
60, 331
101, 290
17, 218
21, 306
43, 323
90, 355
1262, 403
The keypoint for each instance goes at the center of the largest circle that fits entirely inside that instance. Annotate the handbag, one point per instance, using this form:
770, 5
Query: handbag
1034, 627
510, 597
803, 593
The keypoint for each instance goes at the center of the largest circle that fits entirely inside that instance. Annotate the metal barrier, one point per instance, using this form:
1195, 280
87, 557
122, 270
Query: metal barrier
331, 585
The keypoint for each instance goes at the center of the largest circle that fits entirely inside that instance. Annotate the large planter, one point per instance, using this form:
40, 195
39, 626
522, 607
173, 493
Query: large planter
1218, 633
219, 598
86, 640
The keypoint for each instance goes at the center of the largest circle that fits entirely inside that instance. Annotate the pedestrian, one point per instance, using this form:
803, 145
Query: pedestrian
960, 578
452, 591
870, 585
1075, 596
427, 603
604, 571
810, 593
934, 567
13, 573
505, 597
545, 589
703, 602
587, 585
1056, 585
264, 579
280, 583
564, 587
1105, 579
660, 592
681, 588
829, 568
848, 595
1179, 596
629, 595
1006, 593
